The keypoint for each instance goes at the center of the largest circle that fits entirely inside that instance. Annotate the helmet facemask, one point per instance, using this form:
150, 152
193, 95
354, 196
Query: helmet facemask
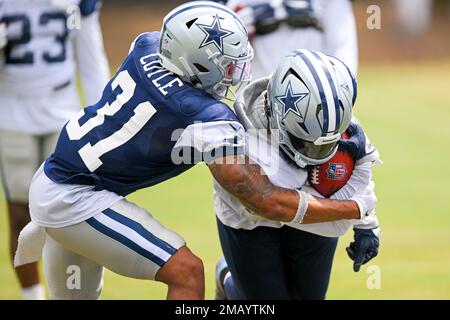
303, 152
306, 153
235, 72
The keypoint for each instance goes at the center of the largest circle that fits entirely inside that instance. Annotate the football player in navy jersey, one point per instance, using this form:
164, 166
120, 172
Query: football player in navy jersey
158, 116
44, 44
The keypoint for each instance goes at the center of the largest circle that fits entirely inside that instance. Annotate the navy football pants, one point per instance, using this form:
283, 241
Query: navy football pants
271, 263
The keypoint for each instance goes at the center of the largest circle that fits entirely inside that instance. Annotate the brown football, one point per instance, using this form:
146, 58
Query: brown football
332, 175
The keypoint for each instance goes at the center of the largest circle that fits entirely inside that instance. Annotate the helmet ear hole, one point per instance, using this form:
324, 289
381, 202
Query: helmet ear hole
318, 109
200, 67
341, 106
190, 23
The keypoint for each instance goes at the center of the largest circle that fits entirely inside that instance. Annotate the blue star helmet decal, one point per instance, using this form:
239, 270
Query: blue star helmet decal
290, 100
214, 34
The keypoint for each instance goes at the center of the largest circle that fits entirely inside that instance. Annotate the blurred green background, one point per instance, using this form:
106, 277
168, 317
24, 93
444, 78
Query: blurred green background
403, 104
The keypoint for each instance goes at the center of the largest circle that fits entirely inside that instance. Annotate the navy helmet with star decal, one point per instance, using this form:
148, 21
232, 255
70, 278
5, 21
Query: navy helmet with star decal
311, 96
207, 45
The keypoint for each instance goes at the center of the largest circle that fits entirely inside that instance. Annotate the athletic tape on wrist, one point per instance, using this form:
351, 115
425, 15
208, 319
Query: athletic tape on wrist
362, 209
302, 207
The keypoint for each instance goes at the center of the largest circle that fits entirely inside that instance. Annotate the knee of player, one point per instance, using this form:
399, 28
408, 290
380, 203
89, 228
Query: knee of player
184, 268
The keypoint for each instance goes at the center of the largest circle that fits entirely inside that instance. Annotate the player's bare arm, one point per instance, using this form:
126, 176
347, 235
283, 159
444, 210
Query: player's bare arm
252, 187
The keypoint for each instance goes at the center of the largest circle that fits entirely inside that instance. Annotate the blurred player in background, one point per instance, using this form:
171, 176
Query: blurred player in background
44, 44
413, 16
278, 27
308, 101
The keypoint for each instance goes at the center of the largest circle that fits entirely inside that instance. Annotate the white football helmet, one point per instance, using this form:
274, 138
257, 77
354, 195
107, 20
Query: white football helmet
311, 96
206, 44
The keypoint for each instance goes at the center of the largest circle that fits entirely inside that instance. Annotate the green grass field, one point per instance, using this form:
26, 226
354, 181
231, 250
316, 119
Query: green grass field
406, 111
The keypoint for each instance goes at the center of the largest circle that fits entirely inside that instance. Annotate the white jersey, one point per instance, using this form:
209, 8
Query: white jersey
338, 37
57, 205
48, 41
280, 172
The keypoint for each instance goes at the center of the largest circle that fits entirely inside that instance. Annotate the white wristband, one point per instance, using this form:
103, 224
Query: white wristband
302, 207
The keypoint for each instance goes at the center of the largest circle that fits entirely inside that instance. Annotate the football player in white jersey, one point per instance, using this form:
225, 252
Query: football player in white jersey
43, 45
295, 118
277, 27
421, 10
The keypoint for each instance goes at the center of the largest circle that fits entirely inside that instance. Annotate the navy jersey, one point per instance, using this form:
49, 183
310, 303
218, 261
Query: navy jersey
126, 140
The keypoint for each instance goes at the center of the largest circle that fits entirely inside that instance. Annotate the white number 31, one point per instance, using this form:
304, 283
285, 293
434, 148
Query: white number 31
90, 154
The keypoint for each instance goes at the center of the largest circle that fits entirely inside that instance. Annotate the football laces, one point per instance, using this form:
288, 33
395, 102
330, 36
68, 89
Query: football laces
315, 175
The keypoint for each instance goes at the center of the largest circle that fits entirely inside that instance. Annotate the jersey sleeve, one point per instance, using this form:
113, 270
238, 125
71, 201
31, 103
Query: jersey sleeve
206, 141
214, 130
361, 177
361, 188
371, 154
91, 59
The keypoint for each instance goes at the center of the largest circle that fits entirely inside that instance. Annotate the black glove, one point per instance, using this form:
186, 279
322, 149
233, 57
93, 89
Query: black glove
364, 248
355, 145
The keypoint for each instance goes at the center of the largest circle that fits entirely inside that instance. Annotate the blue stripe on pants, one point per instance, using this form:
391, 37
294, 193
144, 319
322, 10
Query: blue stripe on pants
137, 227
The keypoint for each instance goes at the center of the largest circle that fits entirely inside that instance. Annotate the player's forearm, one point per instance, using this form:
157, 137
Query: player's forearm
280, 205
254, 190
283, 205
326, 210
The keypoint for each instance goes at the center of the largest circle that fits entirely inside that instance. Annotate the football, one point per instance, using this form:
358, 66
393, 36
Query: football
333, 174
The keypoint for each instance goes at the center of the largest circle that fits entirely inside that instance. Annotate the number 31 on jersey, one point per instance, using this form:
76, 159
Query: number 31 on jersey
90, 154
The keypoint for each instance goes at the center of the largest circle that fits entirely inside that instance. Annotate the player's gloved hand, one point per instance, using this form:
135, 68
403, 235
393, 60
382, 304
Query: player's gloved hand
355, 145
3, 36
364, 247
